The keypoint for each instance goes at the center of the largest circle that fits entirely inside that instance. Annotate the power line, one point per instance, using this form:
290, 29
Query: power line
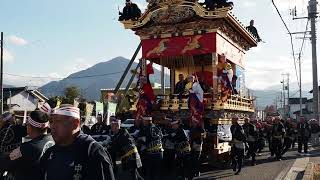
303, 40
291, 41
70, 77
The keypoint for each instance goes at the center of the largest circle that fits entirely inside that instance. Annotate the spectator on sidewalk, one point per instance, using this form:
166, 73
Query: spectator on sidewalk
315, 132
304, 134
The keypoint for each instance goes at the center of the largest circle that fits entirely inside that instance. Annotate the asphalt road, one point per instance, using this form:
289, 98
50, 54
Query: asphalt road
266, 168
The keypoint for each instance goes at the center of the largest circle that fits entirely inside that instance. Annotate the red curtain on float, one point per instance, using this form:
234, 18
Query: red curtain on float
179, 46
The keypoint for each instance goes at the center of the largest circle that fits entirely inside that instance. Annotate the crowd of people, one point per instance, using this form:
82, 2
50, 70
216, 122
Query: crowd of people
281, 135
56, 148
59, 149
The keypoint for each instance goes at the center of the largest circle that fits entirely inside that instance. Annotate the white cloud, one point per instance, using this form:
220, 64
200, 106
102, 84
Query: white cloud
26, 80
77, 65
249, 4
7, 56
17, 40
55, 75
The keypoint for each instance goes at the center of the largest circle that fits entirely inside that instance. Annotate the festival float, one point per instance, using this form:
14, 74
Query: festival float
188, 38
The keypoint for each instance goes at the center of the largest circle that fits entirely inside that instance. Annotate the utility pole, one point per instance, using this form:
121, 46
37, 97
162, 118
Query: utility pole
1, 75
284, 97
288, 89
312, 14
300, 87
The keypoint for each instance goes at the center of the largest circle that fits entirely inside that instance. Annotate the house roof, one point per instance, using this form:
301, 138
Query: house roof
297, 100
38, 95
10, 92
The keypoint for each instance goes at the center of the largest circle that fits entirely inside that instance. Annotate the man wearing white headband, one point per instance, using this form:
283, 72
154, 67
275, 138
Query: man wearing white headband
238, 144
24, 160
183, 149
123, 146
75, 155
150, 138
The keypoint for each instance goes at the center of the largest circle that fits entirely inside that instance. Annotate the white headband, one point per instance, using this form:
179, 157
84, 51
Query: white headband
147, 118
174, 122
116, 122
37, 124
67, 111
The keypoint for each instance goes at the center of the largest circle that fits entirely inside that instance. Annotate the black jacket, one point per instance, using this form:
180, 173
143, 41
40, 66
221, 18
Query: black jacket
196, 138
123, 146
99, 129
304, 130
84, 159
181, 141
24, 162
130, 12
150, 139
278, 130
254, 31
11, 137
238, 133
250, 131
180, 86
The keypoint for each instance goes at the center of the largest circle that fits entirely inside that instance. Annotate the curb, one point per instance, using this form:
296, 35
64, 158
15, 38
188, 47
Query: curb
309, 172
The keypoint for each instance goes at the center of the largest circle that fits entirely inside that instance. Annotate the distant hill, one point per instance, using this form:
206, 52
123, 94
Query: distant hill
268, 96
103, 75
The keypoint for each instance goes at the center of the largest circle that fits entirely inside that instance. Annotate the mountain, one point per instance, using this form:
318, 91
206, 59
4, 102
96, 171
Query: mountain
268, 96
103, 75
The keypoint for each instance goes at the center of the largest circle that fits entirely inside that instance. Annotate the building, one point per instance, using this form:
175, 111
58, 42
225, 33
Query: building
294, 107
21, 99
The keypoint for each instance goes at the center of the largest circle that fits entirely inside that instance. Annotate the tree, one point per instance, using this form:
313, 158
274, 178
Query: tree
53, 101
71, 93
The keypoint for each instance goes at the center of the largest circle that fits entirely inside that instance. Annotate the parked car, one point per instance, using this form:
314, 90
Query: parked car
127, 123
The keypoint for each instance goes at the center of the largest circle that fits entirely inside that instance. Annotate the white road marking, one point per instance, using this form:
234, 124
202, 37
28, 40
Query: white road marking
298, 166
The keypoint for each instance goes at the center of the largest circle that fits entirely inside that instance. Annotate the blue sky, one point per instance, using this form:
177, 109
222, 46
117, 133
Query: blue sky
56, 38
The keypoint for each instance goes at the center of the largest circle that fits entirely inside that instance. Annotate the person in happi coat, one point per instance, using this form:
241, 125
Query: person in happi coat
75, 156
131, 11
277, 135
251, 28
11, 133
289, 136
168, 146
183, 150
304, 134
238, 145
197, 134
24, 161
123, 145
252, 137
99, 128
151, 149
